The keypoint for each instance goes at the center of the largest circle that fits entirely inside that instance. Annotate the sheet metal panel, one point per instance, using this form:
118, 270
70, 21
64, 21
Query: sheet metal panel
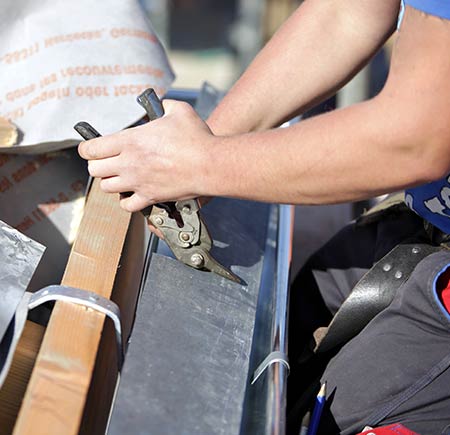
187, 366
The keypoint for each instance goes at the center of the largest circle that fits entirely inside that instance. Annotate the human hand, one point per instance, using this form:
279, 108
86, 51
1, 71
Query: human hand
164, 160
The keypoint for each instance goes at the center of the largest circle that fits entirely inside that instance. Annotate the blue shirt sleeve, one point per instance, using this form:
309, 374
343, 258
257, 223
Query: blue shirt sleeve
440, 8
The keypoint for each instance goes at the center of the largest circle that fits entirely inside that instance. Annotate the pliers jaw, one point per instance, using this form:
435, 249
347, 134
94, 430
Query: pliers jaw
191, 242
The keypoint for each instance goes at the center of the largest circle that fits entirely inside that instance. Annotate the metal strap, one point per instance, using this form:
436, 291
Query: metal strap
87, 299
272, 358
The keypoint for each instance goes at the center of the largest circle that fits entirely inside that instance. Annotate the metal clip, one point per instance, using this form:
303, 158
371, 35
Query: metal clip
270, 359
87, 299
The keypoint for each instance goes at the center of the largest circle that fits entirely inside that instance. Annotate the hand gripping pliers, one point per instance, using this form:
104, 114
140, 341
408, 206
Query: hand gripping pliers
180, 222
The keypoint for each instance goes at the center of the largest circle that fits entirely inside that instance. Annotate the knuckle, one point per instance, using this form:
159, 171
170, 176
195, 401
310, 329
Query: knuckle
185, 108
177, 107
169, 104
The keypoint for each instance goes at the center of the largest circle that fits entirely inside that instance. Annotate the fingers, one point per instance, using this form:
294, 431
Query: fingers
173, 106
169, 105
102, 147
114, 185
105, 167
134, 203
155, 230
112, 145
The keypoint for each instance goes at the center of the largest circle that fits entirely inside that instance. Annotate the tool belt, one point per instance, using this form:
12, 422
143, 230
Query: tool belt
377, 288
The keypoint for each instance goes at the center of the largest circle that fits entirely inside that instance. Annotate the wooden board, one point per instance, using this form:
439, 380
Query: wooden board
13, 390
125, 295
58, 388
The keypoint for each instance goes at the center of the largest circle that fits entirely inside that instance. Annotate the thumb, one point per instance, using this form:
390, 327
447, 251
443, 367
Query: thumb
134, 203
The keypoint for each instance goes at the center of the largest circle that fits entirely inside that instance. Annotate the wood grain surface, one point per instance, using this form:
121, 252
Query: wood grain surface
13, 390
58, 388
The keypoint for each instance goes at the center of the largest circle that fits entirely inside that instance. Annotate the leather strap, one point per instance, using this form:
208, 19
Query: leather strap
374, 292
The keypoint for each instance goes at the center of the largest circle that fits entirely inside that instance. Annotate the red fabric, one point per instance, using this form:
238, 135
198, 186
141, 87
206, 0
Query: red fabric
443, 289
393, 429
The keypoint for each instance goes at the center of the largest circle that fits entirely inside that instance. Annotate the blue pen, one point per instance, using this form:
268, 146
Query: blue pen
318, 408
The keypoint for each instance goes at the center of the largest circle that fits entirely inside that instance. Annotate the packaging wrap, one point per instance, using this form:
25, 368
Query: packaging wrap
64, 61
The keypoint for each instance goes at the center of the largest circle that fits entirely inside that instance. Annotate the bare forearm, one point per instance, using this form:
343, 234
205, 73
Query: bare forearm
317, 50
398, 139
345, 155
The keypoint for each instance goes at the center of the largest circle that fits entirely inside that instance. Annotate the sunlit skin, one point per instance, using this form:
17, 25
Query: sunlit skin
398, 139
